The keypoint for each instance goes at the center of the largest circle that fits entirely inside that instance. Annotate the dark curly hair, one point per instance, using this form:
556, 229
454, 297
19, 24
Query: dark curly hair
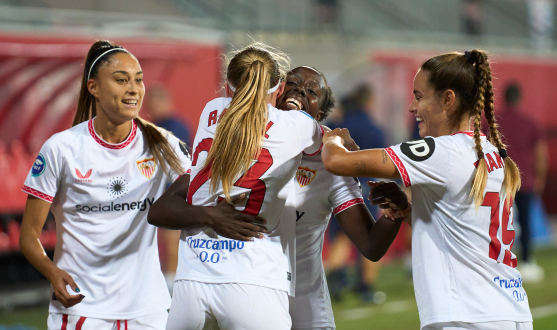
328, 99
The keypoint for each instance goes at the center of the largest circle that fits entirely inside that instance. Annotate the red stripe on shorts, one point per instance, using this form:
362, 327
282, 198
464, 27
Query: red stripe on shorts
80, 323
118, 324
64, 321
126, 324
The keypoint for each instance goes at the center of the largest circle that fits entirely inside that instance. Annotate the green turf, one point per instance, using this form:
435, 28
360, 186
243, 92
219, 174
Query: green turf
399, 311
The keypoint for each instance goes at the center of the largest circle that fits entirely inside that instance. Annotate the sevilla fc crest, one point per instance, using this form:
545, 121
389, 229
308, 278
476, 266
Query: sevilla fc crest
305, 175
146, 166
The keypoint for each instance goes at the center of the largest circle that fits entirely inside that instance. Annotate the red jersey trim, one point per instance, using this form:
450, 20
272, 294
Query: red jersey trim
400, 166
469, 133
107, 145
320, 147
37, 194
348, 204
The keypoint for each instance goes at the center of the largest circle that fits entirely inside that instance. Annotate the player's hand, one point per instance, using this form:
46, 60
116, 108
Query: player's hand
59, 280
344, 134
228, 222
391, 199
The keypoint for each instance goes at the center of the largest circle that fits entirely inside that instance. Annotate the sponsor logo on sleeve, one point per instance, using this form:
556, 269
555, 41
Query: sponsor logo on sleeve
146, 166
38, 166
305, 175
418, 150
117, 187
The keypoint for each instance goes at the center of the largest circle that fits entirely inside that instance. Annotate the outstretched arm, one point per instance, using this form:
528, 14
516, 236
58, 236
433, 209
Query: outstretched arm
338, 160
373, 239
172, 211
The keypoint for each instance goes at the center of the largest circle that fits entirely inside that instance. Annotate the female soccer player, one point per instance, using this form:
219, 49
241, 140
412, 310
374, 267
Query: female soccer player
243, 145
464, 272
99, 179
316, 194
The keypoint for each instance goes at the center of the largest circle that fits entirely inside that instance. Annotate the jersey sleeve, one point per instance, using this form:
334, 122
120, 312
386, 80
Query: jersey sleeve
345, 192
43, 179
425, 161
311, 134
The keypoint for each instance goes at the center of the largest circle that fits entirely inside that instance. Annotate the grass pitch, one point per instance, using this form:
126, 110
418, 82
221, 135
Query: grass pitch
398, 312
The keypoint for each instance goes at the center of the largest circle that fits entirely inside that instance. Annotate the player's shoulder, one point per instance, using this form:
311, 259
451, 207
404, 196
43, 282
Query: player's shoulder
440, 147
67, 137
219, 103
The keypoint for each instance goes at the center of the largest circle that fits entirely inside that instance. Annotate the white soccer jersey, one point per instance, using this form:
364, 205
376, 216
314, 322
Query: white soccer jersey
462, 262
206, 257
314, 195
100, 195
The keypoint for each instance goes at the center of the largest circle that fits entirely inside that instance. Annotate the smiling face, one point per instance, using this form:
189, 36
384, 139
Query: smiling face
118, 88
303, 91
428, 108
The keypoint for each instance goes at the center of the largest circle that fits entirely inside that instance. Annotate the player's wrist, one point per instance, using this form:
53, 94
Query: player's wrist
209, 218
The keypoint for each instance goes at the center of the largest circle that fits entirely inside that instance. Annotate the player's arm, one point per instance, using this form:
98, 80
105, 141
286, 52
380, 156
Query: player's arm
338, 160
34, 217
172, 211
372, 239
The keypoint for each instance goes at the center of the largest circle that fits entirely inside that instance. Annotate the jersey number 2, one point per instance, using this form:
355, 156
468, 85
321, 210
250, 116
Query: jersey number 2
250, 180
492, 200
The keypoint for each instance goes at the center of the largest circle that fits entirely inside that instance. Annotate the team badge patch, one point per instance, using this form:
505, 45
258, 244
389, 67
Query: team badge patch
305, 175
38, 166
146, 166
418, 150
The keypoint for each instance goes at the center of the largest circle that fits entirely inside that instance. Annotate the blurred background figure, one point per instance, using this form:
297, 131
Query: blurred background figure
528, 148
163, 112
541, 17
326, 14
472, 17
355, 114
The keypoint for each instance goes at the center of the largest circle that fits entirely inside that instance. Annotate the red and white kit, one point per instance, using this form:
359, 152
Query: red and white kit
462, 262
207, 257
315, 194
100, 195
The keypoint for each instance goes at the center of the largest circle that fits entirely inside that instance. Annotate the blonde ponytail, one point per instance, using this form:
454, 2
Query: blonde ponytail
239, 134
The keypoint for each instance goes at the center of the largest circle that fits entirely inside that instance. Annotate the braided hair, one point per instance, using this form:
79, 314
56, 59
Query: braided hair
468, 75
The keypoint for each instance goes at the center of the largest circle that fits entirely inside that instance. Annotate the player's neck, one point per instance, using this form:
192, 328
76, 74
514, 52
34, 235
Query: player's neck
110, 132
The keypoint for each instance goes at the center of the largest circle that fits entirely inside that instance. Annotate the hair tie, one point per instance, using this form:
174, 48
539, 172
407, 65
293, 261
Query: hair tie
270, 91
480, 155
469, 58
95, 61
503, 153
